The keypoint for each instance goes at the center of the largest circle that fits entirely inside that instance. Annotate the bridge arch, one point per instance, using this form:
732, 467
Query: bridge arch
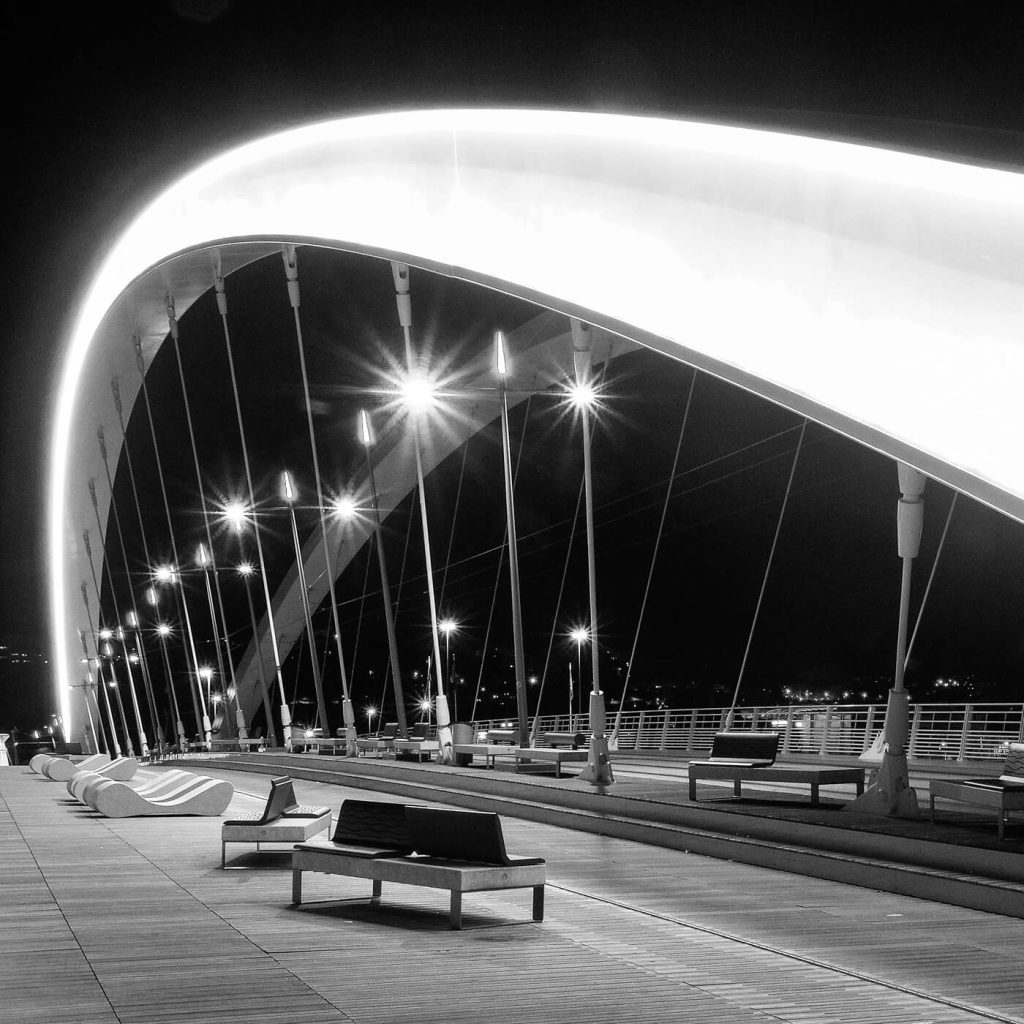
876, 292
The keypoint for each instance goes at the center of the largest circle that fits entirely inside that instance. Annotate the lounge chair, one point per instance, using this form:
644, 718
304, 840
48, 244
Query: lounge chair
121, 768
209, 797
380, 743
94, 761
83, 784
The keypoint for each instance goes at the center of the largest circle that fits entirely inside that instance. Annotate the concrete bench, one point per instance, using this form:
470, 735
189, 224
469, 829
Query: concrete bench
461, 851
379, 744
798, 775
1002, 794
488, 751
198, 796
417, 744
553, 755
282, 820
509, 736
576, 740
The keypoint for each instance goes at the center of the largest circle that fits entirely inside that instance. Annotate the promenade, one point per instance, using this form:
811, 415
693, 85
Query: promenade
132, 920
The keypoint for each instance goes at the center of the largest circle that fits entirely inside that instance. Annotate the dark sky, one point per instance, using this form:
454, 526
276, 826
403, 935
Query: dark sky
109, 102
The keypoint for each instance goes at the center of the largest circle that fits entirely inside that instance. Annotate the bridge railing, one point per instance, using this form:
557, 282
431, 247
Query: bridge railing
945, 732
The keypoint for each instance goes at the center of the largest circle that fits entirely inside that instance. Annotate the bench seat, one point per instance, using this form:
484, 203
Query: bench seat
488, 751
282, 820
557, 755
1003, 794
740, 773
461, 851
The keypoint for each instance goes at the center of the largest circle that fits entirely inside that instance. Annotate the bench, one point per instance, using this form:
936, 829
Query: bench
1002, 794
461, 851
380, 743
509, 736
488, 751
750, 757
557, 755
282, 820
564, 739
738, 774
417, 744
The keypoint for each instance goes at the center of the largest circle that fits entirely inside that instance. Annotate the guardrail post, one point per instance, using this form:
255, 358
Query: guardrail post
823, 746
664, 732
639, 730
755, 718
915, 728
693, 729
869, 726
968, 712
789, 729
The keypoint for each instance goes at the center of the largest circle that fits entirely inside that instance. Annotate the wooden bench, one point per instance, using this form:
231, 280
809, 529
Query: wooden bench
556, 755
282, 820
461, 851
379, 744
1002, 794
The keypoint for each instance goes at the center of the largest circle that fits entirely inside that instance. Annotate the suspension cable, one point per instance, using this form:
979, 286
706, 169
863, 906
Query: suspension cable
654, 554
768, 567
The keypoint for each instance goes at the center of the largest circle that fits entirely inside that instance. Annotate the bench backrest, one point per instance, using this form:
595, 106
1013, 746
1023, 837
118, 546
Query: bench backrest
457, 835
280, 799
1013, 768
745, 746
420, 731
389, 732
373, 823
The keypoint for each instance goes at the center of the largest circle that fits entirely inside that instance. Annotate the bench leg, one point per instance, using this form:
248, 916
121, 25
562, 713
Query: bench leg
538, 903
814, 794
860, 786
693, 788
931, 805
456, 909
375, 895
737, 787
296, 886
223, 845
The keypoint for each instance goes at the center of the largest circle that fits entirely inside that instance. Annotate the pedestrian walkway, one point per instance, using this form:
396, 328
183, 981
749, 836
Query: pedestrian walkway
132, 920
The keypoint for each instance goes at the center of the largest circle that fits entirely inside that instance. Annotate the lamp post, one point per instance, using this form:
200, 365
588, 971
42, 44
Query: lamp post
108, 652
599, 769
501, 368
204, 559
132, 622
366, 436
581, 635
143, 741
448, 626
246, 570
418, 391
163, 631
291, 495
371, 713
206, 675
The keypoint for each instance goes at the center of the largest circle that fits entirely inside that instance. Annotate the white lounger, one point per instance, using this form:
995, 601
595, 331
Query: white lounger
61, 770
39, 762
210, 797
82, 784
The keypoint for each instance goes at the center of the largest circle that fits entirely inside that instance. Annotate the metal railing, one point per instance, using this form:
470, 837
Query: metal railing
944, 732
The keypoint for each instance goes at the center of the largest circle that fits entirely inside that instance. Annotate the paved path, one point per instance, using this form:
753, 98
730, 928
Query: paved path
132, 920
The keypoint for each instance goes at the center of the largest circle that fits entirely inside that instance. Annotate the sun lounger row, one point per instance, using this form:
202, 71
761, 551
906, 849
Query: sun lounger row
60, 769
40, 761
173, 793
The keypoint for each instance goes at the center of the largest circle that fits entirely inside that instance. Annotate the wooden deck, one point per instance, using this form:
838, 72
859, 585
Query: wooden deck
132, 920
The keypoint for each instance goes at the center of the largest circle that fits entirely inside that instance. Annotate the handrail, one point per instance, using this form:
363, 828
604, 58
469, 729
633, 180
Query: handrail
938, 732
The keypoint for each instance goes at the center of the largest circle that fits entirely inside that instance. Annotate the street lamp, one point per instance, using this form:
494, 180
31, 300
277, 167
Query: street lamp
204, 559
371, 713
206, 676
169, 575
581, 635
598, 770
448, 626
246, 570
366, 436
501, 368
291, 495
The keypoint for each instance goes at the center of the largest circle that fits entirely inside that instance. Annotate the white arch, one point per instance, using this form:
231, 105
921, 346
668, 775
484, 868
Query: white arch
877, 292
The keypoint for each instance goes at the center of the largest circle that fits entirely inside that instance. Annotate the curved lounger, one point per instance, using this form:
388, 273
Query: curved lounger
211, 797
83, 783
44, 764
177, 787
61, 770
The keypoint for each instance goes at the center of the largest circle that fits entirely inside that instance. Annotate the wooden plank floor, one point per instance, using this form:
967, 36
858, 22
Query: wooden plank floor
134, 921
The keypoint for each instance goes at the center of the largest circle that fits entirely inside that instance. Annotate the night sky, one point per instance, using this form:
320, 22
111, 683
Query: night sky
107, 103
